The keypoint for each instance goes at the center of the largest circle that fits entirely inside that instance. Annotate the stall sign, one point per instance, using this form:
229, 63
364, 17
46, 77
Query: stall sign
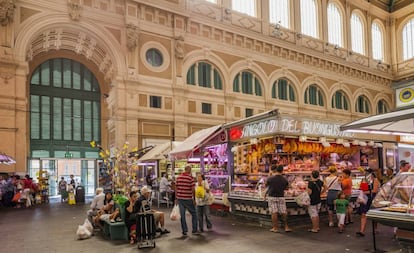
406, 139
288, 126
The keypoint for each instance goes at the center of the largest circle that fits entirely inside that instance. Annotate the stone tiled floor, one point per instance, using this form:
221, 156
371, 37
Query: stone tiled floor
52, 227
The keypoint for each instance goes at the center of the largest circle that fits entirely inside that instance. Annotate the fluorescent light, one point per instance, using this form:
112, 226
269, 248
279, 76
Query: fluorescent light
357, 131
379, 132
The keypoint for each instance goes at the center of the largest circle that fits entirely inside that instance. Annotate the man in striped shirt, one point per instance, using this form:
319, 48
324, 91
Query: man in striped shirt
185, 198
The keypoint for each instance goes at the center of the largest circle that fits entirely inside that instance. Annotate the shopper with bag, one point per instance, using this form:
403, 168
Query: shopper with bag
185, 198
315, 188
276, 186
202, 191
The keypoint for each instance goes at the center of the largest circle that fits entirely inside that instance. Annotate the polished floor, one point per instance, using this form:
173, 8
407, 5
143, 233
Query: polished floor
52, 228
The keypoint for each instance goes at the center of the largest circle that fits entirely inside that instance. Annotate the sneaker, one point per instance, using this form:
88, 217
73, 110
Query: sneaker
118, 219
112, 221
159, 230
184, 233
165, 231
331, 224
360, 234
196, 233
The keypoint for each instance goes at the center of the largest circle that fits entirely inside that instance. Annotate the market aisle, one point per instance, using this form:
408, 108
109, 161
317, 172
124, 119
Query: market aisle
52, 228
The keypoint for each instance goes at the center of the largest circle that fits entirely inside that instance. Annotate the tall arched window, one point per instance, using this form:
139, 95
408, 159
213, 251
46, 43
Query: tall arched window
408, 40
279, 12
382, 107
247, 83
362, 105
204, 74
64, 109
314, 95
340, 101
357, 34
377, 42
283, 89
309, 18
335, 30
244, 6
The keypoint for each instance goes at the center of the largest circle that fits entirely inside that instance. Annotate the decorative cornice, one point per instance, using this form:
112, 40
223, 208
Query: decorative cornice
75, 10
7, 8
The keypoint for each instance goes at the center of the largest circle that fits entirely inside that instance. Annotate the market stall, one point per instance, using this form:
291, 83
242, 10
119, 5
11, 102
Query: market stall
300, 145
206, 152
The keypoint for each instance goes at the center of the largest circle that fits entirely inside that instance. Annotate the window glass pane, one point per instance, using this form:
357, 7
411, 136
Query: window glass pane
45, 117
57, 72
206, 108
57, 118
320, 98
45, 74
292, 96
218, 85
274, 90
154, 57
408, 40
377, 42
191, 75
249, 112
247, 83
236, 86
67, 119
95, 84
204, 74
309, 18
257, 87
77, 123
357, 34
87, 120
312, 95
34, 117
244, 6
35, 77
96, 116
87, 79
334, 25
76, 75
155, 102
279, 12
67, 73
282, 89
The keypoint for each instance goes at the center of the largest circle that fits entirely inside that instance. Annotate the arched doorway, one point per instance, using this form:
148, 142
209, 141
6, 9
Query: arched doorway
65, 116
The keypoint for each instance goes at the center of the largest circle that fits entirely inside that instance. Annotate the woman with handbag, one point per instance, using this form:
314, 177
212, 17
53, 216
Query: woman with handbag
334, 187
202, 192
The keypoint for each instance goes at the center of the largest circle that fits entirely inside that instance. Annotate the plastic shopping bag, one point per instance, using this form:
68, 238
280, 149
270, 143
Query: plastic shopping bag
303, 199
175, 213
362, 198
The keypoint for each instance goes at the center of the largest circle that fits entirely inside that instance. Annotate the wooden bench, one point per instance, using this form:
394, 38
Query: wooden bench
116, 230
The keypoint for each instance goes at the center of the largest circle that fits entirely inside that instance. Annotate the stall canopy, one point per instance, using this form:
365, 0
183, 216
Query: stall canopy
396, 122
159, 152
194, 142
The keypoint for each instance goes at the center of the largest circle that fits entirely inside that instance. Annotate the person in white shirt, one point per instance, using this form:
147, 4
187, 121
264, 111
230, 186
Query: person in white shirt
96, 204
164, 186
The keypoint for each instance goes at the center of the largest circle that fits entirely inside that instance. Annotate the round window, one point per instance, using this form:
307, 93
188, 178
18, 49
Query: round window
154, 57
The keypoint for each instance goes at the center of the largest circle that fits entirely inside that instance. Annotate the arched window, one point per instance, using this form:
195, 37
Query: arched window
362, 105
340, 101
64, 109
279, 12
408, 40
313, 95
309, 17
357, 34
204, 74
382, 107
377, 42
244, 6
247, 83
335, 30
283, 89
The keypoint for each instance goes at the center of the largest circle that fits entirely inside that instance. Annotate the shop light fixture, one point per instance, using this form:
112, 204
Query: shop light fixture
371, 143
253, 141
326, 144
378, 145
399, 133
322, 139
362, 144
303, 138
234, 149
346, 144
379, 132
339, 141
357, 130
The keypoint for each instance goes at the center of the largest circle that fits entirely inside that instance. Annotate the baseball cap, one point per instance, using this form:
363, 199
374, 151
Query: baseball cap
145, 189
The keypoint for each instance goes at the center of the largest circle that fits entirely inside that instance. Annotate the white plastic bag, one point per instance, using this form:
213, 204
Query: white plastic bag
362, 198
210, 199
87, 224
83, 232
175, 213
303, 199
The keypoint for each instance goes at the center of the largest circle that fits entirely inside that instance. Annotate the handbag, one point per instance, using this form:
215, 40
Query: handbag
175, 213
210, 199
303, 199
16, 197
